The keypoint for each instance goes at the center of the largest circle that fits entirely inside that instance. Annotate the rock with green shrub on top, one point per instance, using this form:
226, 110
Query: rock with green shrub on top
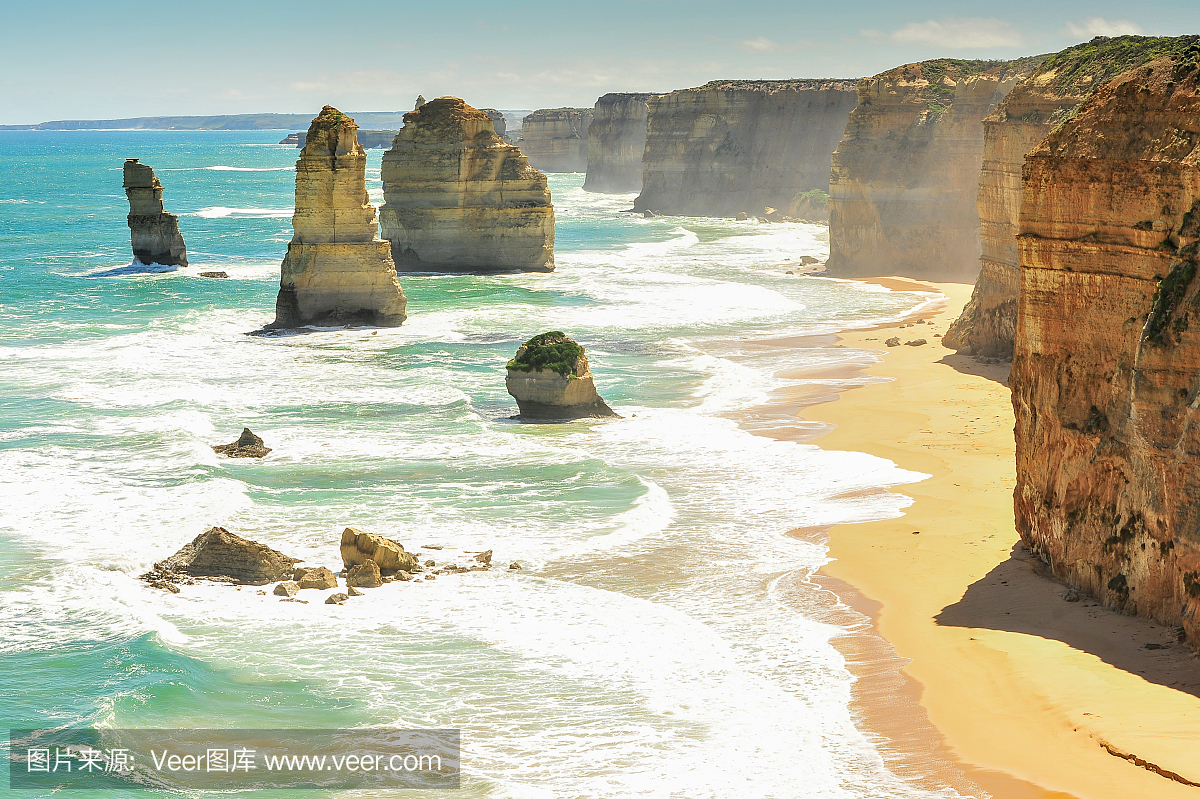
550, 379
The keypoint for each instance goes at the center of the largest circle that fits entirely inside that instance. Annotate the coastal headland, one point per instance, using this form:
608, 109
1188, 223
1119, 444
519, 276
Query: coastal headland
1036, 691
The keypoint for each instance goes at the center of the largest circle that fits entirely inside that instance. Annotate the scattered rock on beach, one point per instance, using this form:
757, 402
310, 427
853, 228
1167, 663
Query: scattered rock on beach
248, 445
514, 567
319, 577
354, 592
286, 588
336, 599
484, 557
894, 341
220, 554
1070, 595
358, 547
917, 342
364, 575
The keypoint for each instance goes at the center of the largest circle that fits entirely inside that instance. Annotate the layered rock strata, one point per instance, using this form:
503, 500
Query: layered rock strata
368, 139
732, 147
550, 379
358, 547
498, 122
1044, 99
153, 232
616, 141
337, 270
906, 173
556, 139
219, 553
1106, 369
460, 199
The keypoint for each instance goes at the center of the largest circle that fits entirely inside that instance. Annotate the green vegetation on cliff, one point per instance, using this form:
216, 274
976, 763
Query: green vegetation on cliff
552, 352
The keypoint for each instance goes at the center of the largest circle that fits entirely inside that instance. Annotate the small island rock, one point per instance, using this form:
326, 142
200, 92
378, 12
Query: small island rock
550, 379
222, 554
248, 445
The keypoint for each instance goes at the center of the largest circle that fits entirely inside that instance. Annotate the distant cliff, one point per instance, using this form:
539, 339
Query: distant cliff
1035, 105
1106, 369
615, 143
906, 173
740, 146
556, 139
367, 139
384, 119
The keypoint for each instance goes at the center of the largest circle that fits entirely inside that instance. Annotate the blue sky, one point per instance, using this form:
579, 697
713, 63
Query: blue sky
102, 59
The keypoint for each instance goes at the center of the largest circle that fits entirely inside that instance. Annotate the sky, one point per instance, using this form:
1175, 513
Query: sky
104, 59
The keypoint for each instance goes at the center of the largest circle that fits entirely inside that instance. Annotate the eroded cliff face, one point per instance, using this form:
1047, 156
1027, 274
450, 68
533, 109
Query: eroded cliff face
458, 198
906, 173
153, 232
615, 143
1044, 99
732, 147
1106, 370
337, 270
556, 139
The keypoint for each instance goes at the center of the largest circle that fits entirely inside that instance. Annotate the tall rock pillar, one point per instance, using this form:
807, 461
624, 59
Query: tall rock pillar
153, 232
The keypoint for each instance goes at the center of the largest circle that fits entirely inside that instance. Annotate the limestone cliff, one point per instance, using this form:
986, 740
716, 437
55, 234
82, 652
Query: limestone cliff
498, 122
739, 146
1106, 369
906, 173
556, 139
550, 379
153, 232
616, 141
337, 270
458, 198
1035, 105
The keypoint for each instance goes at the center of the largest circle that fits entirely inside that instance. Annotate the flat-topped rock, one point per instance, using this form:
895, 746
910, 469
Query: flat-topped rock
153, 232
219, 553
550, 379
556, 139
337, 270
616, 140
458, 198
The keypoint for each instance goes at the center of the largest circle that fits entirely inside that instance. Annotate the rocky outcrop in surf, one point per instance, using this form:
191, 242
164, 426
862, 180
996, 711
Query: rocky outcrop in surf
358, 547
556, 139
741, 146
616, 141
247, 445
221, 555
1031, 110
550, 380
906, 173
153, 232
460, 199
1106, 363
337, 270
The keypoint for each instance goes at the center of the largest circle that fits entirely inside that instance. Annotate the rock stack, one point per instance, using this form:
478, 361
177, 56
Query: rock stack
1106, 369
556, 139
616, 140
550, 380
460, 199
906, 173
154, 233
337, 270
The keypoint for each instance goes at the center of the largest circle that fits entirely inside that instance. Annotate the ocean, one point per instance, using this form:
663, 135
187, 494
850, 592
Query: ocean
662, 638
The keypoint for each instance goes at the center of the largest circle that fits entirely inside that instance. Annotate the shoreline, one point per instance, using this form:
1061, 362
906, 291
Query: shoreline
1030, 696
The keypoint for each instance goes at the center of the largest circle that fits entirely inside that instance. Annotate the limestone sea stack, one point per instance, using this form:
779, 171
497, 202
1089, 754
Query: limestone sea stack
550, 380
732, 147
154, 233
616, 141
460, 199
337, 270
499, 124
556, 139
1106, 369
906, 173
1035, 105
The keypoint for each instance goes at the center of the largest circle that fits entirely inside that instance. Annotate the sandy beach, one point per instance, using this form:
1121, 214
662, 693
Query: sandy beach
1033, 696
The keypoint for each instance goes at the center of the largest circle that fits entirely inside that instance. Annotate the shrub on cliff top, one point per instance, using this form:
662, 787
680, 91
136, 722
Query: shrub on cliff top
551, 351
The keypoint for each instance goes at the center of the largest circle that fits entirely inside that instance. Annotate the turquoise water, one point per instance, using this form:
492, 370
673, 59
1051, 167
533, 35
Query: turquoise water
661, 639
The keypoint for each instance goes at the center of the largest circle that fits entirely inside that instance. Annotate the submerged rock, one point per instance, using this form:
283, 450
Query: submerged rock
215, 274
359, 547
550, 379
248, 445
219, 553
337, 270
461, 199
153, 232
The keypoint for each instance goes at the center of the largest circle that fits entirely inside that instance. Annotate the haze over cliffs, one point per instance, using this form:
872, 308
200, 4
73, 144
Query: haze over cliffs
739, 146
556, 139
1106, 370
906, 173
154, 234
337, 270
616, 141
458, 198
1035, 105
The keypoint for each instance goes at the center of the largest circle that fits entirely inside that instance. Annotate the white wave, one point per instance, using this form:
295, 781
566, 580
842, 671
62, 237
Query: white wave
136, 267
221, 212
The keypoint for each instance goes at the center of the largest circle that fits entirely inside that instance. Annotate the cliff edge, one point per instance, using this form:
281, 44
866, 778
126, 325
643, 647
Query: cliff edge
556, 139
732, 147
616, 141
1106, 369
1046, 98
154, 234
906, 172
